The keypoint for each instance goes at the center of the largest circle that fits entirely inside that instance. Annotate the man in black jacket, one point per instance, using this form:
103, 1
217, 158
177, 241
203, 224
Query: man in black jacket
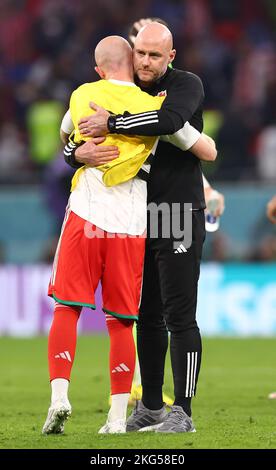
171, 269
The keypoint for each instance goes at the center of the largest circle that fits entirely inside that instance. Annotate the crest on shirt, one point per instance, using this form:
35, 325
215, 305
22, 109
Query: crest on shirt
162, 93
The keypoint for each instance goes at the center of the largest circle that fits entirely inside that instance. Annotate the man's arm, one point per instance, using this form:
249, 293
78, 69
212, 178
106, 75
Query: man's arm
69, 155
188, 138
184, 97
88, 153
205, 149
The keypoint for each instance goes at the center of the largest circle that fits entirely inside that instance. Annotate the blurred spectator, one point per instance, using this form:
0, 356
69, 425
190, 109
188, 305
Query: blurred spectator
218, 248
43, 119
265, 251
233, 140
13, 150
266, 153
47, 45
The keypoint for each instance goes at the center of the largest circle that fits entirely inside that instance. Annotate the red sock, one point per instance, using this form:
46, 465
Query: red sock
62, 341
122, 354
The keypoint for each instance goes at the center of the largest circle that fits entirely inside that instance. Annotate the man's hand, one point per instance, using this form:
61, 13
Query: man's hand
209, 195
92, 154
271, 210
209, 139
95, 125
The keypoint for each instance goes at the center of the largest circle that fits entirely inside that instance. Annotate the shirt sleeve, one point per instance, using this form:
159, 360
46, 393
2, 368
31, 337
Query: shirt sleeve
69, 154
184, 96
184, 139
67, 125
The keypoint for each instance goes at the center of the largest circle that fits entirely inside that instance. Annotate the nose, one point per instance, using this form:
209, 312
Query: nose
146, 60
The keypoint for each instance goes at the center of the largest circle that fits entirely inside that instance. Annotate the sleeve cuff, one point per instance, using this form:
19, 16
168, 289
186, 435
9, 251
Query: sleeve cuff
111, 124
185, 138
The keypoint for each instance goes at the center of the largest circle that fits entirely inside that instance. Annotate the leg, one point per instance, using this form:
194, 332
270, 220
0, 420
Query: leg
179, 274
152, 336
180, 295
121, 364
121, 287
152, 342
61, 353
136, 390
62, 341
77, 266
72, 284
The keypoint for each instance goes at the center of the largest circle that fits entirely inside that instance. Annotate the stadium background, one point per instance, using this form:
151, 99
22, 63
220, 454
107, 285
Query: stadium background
46, 51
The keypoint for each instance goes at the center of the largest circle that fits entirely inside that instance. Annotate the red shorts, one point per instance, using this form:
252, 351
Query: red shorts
83, 259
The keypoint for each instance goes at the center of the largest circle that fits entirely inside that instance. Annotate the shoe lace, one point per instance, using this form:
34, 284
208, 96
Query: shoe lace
176, 417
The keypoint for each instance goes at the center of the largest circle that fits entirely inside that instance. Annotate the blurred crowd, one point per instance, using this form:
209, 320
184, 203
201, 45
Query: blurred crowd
46, 51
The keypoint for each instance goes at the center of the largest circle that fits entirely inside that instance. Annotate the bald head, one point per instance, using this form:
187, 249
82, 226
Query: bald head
153, 51
155, 33
113, 54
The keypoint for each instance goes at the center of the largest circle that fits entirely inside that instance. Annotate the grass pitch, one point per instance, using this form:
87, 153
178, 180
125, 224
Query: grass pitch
231, 410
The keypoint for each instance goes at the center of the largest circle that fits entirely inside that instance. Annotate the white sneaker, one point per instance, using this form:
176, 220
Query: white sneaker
272, 396
113, 427
58, 413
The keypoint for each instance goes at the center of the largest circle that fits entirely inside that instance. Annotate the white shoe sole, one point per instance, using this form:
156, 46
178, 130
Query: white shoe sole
103, 431
114, 427
150, 428
55, 425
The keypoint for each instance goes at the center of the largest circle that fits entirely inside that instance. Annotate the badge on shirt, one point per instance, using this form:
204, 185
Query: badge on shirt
162, 93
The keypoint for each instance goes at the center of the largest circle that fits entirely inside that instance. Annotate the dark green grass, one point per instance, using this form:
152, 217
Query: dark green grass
231, 409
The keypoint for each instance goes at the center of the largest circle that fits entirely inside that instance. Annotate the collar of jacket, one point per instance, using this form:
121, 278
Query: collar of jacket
155, 84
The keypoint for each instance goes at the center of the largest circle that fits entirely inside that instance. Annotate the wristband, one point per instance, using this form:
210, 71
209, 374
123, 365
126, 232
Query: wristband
69, 154
111, 124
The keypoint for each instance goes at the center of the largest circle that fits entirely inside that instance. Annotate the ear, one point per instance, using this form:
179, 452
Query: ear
100, 72
172, 55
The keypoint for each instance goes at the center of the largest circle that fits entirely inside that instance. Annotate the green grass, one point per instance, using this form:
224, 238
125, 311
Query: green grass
231, 409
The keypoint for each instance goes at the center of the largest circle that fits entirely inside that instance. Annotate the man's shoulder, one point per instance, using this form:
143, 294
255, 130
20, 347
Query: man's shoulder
184, 75
87, 86
181, 81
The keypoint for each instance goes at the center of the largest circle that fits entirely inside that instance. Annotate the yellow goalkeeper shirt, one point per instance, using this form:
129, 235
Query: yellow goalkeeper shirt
116, 97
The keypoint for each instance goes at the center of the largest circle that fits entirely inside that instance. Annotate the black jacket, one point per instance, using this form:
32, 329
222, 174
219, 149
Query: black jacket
175, 176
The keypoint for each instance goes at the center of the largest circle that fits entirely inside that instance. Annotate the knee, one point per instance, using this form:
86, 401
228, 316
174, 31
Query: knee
181, 324
150, 323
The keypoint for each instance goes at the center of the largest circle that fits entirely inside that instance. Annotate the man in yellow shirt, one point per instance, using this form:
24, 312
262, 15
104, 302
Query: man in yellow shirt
116, 96
98, 242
